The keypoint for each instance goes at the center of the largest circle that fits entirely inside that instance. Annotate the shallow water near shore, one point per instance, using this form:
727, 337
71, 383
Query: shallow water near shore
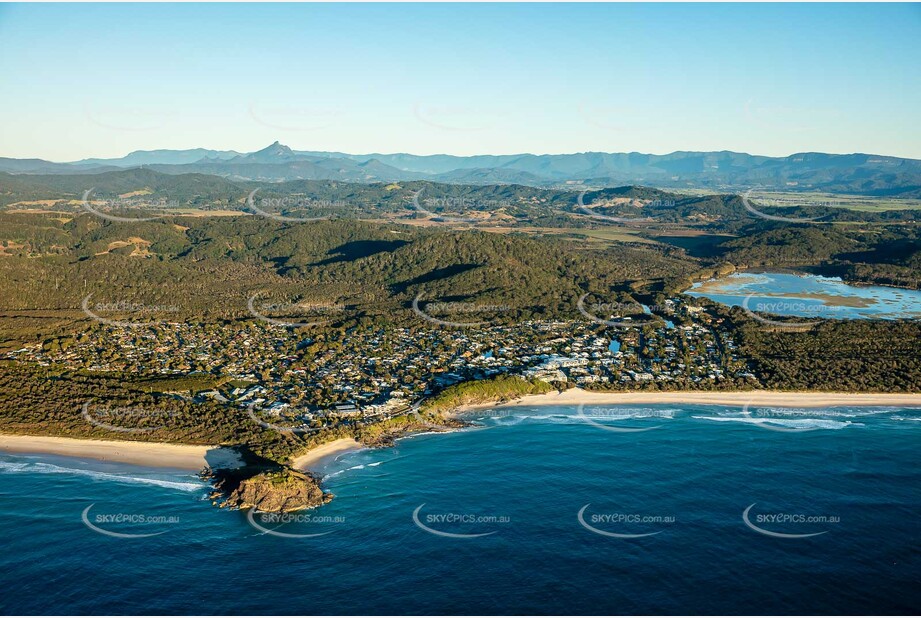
535, 510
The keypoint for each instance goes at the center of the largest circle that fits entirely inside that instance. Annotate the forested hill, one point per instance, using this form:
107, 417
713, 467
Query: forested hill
878, 246
211, 265
141, 188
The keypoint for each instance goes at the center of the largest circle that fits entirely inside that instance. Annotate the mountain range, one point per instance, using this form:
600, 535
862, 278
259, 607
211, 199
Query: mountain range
864, 174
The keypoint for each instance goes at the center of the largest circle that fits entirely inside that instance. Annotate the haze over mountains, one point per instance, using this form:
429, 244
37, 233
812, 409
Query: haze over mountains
851, 173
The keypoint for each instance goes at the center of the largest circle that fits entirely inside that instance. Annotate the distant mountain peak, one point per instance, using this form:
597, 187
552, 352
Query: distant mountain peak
276, 152
276, 148
718, 170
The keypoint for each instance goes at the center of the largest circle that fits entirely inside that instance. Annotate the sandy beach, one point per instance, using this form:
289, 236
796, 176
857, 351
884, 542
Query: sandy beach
804, 399
193, 457
154, 454
326, 453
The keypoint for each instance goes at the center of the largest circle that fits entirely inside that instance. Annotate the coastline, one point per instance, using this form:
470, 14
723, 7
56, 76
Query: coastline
195, 457
151, 454
326, 453
801, 399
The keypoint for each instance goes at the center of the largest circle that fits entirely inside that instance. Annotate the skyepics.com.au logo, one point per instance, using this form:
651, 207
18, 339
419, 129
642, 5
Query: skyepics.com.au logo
132, 207
772, 116
787, 525
609, 117
125, 525
458, 525
283, 421
109, 113
785, 420
435, 207
623, 203
112, 313
788, 307
299, 314
457, 117
462, 313
277, 207
638, 419
298, 117
126, 419
498, 413
620, 525
616, 314
294, 525
787, 202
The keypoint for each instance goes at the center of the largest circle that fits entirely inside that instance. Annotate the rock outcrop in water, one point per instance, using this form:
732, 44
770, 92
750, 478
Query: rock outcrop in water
278, 490
270, 487
383, 435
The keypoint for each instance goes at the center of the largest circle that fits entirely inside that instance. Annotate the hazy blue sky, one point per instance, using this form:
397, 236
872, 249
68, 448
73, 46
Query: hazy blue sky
102, 80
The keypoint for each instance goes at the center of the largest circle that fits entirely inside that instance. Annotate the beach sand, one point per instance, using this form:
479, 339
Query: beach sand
326, 453
193, 457
802, 399
153, 454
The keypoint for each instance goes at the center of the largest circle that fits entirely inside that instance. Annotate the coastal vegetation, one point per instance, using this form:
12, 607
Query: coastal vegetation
186, 318
495, 390
58, 402
836, 355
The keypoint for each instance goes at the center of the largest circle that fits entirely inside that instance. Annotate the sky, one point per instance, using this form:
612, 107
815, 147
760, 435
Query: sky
102, 80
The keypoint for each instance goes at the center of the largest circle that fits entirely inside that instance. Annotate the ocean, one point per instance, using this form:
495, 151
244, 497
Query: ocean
553, 510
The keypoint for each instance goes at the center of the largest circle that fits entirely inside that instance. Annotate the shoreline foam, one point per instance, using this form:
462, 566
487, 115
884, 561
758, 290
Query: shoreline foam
320, 456
196, 457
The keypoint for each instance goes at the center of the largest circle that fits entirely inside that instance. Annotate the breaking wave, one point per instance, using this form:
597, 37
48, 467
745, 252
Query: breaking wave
602, 415
46, 468
793, 423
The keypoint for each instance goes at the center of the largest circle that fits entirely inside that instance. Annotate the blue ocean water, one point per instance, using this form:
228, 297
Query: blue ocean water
810, 296
538, 502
